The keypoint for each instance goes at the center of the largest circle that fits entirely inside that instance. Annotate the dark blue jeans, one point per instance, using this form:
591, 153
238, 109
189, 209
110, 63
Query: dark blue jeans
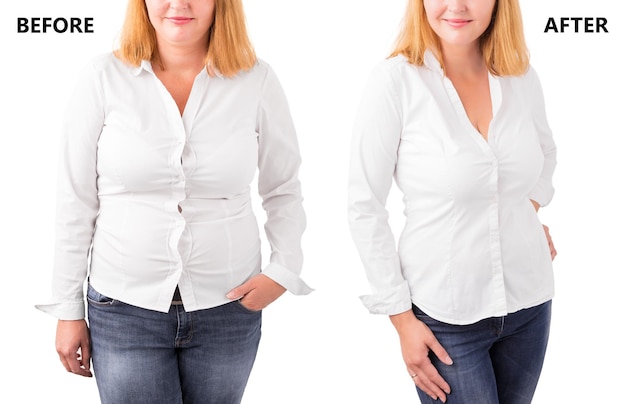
144, 356
496, 361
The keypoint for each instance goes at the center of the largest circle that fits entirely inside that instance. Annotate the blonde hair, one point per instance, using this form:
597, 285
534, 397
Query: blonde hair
229, 49
502, 45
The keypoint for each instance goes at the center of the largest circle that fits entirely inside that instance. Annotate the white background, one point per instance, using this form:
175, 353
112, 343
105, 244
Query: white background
325, 347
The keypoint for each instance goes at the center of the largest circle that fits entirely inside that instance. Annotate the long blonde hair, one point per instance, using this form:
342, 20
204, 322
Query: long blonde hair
229, 49
502, 45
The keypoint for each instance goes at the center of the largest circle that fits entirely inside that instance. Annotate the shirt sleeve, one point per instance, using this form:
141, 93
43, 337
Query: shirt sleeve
543, 191
374, 151
76, 199
279, 187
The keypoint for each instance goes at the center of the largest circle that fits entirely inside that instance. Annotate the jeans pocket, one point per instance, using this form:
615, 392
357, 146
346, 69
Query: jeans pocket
97, 298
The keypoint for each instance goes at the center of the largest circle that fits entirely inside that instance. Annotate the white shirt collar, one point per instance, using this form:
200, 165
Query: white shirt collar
147, 66
431, 61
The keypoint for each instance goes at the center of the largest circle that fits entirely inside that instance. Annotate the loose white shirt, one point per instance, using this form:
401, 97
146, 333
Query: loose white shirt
149, 199
472, 246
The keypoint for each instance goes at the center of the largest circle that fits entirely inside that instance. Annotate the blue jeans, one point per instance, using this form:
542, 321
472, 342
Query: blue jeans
496, 361
144, 356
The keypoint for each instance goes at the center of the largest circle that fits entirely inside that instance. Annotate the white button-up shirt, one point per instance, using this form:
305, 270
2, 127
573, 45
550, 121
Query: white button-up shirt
472, 246
148, 200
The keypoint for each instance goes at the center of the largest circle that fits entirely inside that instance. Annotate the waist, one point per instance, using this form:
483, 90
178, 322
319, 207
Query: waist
154, 211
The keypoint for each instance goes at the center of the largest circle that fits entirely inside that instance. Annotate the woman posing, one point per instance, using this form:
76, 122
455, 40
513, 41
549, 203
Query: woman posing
160, 143
457, 117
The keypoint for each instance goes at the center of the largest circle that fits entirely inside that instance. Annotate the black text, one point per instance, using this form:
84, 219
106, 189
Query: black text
577, 24
60, 25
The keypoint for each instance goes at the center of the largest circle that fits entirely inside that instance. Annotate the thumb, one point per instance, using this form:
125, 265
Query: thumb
239, 291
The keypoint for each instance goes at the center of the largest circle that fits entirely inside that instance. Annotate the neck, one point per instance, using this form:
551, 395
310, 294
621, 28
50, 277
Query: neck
181, 59
463, 60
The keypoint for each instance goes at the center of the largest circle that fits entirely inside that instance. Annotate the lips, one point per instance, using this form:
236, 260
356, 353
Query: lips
179, 20
457, 22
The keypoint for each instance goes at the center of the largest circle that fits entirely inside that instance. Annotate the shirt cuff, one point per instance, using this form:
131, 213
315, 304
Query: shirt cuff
64, 311
287, 279
390, 301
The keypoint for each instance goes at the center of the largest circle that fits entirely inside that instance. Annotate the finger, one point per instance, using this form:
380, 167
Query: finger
429, 378
72, 363
77, 366
423, 382
439, 351
239, 291
431, 382
429, 374
254, 301
436, 382
64, 362
250, 304
85, 353
424, 387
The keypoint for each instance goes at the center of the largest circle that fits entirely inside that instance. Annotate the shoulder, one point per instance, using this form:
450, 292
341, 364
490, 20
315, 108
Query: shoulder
105, 61
532, 77
398, 70
394, 63
259, 71
257, 77
262, 65
393, 67
526, 84
529, 77
107, 64
398, 75
261, 77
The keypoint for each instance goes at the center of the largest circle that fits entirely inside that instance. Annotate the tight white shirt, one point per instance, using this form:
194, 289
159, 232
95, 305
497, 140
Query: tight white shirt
472, 246
129, 160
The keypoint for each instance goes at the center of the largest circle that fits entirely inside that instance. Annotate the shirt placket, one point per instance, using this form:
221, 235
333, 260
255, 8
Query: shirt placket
493, 211
499, 291
177, 189
186, 164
